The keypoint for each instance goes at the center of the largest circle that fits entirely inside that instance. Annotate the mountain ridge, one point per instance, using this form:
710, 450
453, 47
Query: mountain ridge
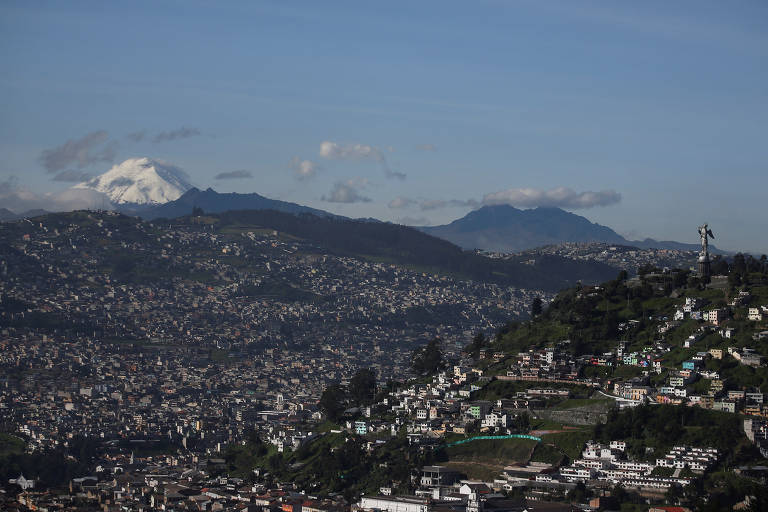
504, 228
151, 188
211, 201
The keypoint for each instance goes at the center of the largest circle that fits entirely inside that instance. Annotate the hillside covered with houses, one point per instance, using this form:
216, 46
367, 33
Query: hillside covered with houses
197, 366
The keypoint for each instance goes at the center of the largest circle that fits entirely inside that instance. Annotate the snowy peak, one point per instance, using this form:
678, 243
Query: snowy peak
140, 181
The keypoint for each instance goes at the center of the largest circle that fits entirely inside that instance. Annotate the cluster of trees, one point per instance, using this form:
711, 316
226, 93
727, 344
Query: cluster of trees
740, 264
332, 463
337, 398
662, 426
743, 270
362, 389
720, 491
428, 360
52, 467
591, 316
478, 343
537, 306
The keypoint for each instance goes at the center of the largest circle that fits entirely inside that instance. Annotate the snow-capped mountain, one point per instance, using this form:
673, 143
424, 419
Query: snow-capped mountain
141, 181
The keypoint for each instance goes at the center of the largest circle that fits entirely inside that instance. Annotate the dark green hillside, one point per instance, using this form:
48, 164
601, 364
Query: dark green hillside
651, 430
331, 463
50, 467
211, 201
593, 318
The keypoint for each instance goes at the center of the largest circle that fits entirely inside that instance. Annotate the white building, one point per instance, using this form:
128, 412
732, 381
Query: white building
394, 504
577, 474
618, 445
599, 451
494, 420
22, 482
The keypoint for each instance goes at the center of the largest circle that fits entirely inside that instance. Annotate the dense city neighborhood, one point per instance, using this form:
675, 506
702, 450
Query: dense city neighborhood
231, 386
112, 278
621, 256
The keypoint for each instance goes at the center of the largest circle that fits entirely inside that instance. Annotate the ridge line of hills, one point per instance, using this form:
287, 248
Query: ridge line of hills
504, 228
499, 228
402, 245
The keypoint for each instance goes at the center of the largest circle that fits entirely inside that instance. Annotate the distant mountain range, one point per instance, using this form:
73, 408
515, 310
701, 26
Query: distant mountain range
403, 245
153, 189
507, 229
7, 215
211, 201
491, 228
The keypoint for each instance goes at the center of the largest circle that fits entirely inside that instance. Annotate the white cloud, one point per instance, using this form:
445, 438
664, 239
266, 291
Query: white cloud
348, 192
334, 151
19, 199
560, 197
303, 169
78, 199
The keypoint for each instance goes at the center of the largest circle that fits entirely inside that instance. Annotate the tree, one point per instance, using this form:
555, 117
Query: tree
579, 494
680, 278
739, 265
536, 307
522, 423
332, 402
674, 494
428, 360
694, 282
197, 211
362, 387
255, 444
646, 269
718, 266
620, 494
478, 342
275, 462
472, 427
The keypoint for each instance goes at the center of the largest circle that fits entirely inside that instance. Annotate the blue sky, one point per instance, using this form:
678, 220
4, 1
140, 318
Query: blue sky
659, 108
